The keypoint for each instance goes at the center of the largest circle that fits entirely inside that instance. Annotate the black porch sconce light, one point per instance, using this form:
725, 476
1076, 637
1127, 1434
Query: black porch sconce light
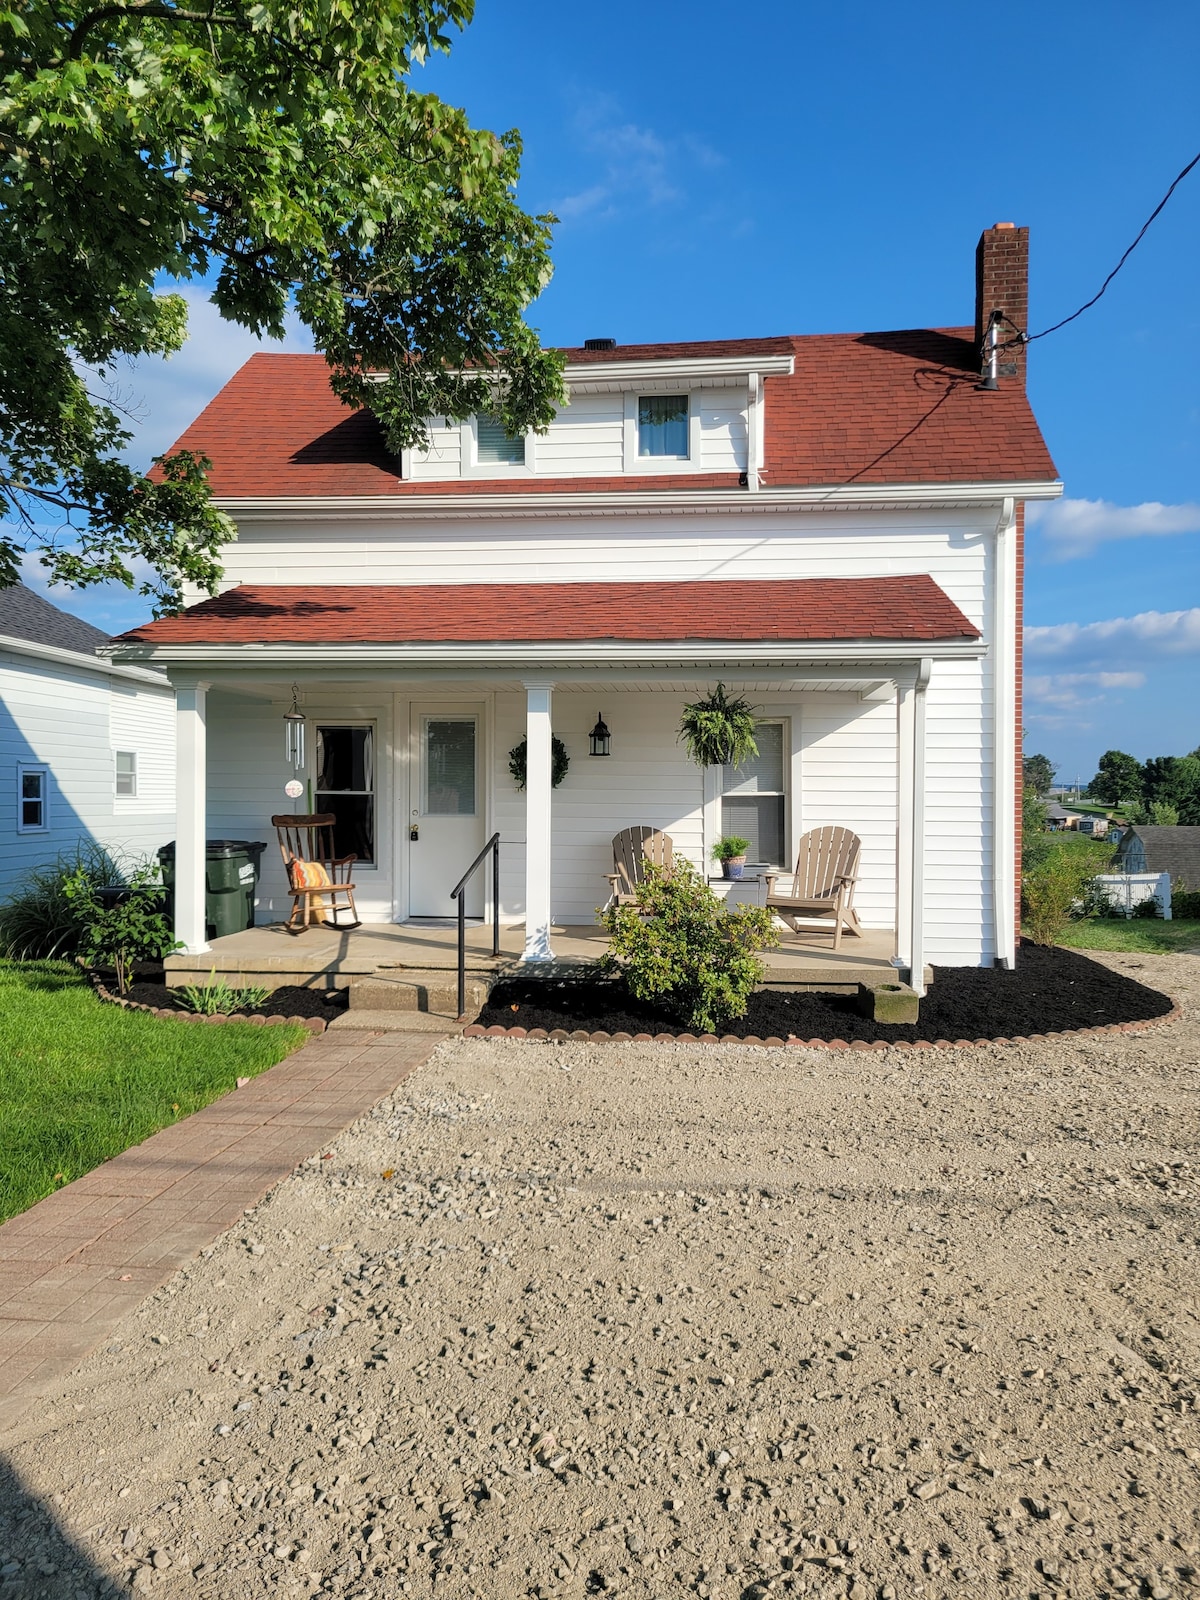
601, 738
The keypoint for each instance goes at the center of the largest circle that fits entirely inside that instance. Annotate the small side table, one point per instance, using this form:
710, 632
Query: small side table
747, 891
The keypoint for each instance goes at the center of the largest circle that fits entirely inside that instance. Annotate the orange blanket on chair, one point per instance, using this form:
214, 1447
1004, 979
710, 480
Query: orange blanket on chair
312, 875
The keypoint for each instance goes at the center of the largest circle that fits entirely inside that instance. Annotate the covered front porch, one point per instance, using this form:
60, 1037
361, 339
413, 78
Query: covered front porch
325, 958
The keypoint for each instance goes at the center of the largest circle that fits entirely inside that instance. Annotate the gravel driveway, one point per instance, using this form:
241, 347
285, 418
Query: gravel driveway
564, 1319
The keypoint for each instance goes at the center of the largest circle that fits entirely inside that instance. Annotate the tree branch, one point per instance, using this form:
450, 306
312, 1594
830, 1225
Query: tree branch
153, 8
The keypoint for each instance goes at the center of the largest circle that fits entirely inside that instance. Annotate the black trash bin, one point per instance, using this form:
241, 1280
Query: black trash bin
231, 869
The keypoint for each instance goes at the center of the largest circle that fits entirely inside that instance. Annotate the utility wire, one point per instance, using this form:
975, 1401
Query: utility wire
1028, 338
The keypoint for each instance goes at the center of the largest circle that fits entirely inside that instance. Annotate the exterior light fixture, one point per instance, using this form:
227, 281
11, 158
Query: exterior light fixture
293, 732
601, 738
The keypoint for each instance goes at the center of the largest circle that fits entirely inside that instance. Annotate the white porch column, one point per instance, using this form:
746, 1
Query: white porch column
537, 822
191, 777
1004, 736
910, 851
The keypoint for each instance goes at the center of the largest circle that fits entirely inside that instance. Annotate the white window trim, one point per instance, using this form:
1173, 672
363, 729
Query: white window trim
470, 466
26, 769
118, 793
661, 466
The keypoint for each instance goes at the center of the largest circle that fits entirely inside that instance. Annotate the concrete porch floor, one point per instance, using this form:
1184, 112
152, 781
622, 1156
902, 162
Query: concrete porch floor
325, 958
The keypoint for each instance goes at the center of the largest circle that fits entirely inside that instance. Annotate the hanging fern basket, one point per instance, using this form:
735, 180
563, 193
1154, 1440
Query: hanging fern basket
718, 731
518, 760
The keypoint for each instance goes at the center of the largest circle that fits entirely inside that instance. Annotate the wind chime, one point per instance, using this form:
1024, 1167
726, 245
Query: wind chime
293, 744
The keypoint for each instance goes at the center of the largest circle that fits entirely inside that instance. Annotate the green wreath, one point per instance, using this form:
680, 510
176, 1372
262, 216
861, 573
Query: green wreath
559, 761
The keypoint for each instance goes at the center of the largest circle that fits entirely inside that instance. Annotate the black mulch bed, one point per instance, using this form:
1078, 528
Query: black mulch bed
291, 1001
1050, 991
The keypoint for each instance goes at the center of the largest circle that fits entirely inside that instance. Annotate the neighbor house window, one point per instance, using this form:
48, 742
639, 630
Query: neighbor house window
126, 769
33, 784
346, 786
663, 425
494, 447
754, 797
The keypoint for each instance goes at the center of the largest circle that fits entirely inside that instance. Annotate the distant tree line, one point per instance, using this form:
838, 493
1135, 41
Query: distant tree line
1164, 790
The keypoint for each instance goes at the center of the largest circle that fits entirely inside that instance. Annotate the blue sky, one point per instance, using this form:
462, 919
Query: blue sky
804, 169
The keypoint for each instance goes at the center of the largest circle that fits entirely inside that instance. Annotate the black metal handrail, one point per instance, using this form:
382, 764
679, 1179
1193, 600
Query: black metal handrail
492, 848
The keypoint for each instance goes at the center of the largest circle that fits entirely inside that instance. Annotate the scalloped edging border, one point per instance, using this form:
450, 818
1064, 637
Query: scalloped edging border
476, 1030
313, 1024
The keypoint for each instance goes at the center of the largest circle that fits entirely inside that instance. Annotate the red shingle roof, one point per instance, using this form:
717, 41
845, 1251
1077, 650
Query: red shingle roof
795, 610
860, 408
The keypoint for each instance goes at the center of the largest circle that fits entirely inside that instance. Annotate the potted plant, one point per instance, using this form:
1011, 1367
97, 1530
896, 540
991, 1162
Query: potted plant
730, 851
718, 731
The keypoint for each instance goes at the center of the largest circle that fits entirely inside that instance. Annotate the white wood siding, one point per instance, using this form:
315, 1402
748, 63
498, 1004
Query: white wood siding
443, 458
58, 716
723, 430
586, 439
144, 723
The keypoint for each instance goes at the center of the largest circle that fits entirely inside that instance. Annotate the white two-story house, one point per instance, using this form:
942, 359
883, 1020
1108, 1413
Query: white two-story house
829, 524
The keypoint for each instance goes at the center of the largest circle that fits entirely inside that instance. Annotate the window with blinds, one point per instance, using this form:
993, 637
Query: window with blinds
754, 798
494, 447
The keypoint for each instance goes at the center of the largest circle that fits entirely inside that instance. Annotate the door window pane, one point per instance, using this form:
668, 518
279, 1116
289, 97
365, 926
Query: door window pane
663, 425
449, 767
346, 786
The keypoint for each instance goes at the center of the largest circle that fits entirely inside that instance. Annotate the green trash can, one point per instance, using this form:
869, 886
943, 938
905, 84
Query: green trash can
231, 869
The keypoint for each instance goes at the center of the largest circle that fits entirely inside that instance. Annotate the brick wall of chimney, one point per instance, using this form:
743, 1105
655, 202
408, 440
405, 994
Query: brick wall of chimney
1002, 283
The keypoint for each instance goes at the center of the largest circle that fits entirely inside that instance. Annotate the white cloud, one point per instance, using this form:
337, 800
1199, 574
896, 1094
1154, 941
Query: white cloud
640, 168
1074, 528
1150, 634
1068, 690
164, 394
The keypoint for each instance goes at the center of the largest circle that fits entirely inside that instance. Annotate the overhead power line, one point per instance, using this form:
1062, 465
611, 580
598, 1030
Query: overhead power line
1028, 338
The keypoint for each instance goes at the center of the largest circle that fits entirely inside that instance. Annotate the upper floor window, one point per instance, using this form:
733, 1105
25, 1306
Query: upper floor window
125, 764
32, 786
494, 447
663, 425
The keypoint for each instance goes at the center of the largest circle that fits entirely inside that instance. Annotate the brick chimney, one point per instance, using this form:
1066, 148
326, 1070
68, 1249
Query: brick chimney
1002, 284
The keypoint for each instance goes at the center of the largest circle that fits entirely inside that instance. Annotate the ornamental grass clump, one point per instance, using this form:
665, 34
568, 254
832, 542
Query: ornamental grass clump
220, 999
677, 945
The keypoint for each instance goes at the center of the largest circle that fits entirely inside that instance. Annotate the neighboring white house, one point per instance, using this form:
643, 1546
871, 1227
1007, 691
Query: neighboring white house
829, 524
87, 746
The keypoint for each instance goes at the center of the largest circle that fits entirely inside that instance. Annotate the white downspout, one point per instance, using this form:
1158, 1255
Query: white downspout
910, 855
754, 431
1004, 734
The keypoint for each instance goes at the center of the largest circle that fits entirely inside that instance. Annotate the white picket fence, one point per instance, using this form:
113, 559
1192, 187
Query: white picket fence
1129, 889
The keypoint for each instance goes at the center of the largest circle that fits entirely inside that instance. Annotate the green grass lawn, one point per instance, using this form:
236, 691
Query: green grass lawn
81, 1081
1134, 933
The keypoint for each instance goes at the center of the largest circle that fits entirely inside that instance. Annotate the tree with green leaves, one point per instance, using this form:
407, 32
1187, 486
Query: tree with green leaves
1039, 774
1118, 778
276, 149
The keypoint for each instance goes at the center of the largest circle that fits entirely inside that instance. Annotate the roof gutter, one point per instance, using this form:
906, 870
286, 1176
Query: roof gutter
554, 503
606, 652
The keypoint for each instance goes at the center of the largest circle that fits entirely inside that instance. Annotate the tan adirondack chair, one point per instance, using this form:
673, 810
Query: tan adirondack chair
632, 848
305, 843
826, 870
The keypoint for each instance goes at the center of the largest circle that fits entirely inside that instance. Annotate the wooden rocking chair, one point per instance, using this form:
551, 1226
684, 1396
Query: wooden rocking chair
632, 849
826, 870
317, 879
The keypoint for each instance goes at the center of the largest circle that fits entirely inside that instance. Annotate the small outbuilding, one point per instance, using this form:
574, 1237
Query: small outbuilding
1174, 850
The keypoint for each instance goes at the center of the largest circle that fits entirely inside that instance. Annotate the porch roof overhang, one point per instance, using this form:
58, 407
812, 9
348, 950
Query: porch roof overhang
613, 627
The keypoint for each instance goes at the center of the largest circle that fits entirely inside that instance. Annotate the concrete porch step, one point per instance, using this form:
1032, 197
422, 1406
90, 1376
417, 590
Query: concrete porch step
362, 1021
409, 990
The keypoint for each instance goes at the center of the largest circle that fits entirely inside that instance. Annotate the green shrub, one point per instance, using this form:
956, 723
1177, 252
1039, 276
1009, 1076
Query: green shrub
677, 944
1147, 908
1053, 890
1185, 903
38, 922
133, 929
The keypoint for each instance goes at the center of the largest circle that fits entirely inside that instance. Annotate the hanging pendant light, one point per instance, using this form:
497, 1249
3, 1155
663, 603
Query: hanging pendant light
601, 738
293, 732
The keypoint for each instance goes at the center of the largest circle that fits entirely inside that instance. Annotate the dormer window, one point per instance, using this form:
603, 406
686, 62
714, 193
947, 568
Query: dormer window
663, 426
494, 447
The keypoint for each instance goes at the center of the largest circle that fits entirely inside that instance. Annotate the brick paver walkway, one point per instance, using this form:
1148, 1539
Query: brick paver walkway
74, 1264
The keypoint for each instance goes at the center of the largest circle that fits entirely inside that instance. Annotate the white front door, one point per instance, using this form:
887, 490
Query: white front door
445, 822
